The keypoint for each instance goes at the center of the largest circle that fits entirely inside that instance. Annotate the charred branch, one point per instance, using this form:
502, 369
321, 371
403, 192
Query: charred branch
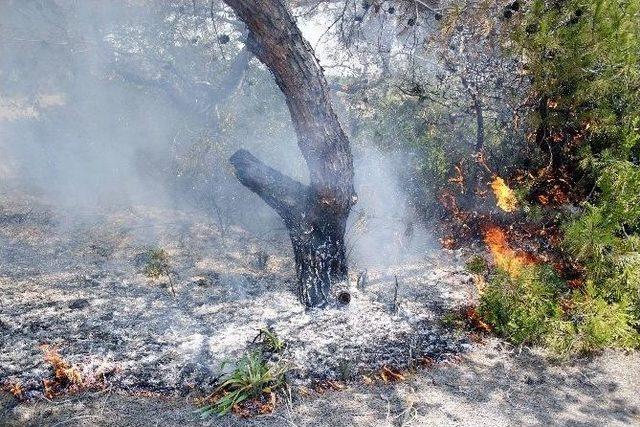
284, 194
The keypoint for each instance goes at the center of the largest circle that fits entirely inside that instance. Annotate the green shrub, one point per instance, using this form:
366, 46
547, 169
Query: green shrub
476, 264
583, 59
519, 309
592, 323
538, 308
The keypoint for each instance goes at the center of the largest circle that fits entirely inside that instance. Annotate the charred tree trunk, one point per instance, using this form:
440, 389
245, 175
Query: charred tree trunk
315, 214
475, 183
478, 170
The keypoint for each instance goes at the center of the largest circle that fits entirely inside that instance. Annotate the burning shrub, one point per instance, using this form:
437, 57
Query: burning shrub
505, 196
504, 257
66, 376
588, 120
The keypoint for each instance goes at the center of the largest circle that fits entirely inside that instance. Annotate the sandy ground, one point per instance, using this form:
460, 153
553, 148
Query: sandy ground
78, 286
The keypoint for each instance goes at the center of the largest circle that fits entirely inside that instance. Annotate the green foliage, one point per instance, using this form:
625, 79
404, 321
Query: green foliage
592, 323
476, 264
157, 264
270, 341
537, 308
519, 309
583, 58
252, 377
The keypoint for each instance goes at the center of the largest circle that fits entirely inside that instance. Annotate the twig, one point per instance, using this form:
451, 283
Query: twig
395, 296
362, 280
173, 290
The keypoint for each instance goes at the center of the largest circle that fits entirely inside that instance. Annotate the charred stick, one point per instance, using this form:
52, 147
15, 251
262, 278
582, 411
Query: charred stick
395, 296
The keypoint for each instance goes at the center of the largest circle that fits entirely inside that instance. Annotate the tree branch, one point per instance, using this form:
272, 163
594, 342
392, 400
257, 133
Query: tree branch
286, 195
278, 43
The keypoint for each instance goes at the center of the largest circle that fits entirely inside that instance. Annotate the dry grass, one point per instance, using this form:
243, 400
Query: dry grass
66, 376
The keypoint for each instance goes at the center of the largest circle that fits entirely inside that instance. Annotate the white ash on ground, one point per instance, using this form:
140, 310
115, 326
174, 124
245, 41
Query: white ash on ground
79, 287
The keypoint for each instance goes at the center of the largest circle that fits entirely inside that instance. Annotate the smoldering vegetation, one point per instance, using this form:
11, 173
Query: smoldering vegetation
117, 120
133, 261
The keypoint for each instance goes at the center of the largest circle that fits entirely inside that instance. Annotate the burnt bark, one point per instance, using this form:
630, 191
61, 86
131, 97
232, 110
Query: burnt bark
475, 183
315, 214
478, 169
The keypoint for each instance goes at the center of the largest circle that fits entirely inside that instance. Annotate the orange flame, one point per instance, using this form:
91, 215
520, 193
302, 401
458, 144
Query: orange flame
504, 257
506, 198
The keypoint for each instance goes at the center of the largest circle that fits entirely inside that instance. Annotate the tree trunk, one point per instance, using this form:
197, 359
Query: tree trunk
478, 169
475, 183
315, 214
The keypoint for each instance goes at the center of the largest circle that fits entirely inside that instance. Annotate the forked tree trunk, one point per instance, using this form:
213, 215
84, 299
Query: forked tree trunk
315, 215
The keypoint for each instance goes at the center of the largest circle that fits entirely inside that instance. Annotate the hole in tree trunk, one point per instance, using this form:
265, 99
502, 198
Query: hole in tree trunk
344, 298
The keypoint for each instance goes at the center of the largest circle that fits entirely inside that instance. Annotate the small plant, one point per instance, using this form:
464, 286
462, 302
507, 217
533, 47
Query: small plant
593, 323
538, 307
157, 265
476, 264
451, 320
520, 309
253, 378
270, 341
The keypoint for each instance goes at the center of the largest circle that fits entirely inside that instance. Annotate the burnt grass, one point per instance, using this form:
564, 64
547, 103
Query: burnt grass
80, 287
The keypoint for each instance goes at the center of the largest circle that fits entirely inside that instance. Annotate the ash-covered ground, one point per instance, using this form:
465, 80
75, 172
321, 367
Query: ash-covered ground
79, 286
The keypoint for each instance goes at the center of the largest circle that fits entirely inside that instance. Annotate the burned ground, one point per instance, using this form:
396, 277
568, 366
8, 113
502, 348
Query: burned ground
145, 356
80, 287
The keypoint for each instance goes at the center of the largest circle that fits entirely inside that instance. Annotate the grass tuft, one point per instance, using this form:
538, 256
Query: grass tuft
157, 263
253, 378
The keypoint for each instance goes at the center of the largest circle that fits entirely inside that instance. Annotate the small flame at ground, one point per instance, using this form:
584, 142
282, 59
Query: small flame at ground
504, 257
506, 198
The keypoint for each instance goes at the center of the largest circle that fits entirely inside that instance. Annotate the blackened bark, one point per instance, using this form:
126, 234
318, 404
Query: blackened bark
315, 215
475, 182
479, 149
320, 262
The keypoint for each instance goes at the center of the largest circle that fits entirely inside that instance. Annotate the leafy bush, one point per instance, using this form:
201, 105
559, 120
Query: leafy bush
537, 307
583, 58
592, 323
